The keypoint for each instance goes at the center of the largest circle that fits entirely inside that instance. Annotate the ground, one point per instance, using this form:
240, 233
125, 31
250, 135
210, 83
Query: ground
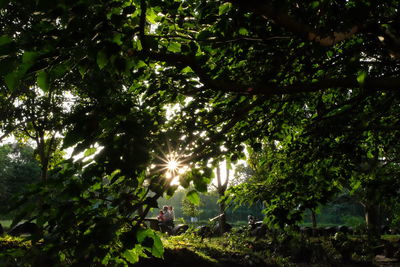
238, 249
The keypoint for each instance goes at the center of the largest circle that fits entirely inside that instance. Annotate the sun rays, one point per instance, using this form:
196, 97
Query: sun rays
172, 165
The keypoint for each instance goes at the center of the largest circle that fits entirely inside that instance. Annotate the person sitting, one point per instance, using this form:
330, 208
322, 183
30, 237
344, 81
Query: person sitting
168, 216
171, 211
160, 216
251, 220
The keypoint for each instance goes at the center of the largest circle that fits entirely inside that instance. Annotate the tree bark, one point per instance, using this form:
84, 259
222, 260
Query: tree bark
372, 218
314, 221
222, 219
43, 156
221, 188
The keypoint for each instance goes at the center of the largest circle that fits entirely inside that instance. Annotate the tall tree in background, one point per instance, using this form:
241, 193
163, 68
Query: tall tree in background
18, 170
190, 209
42, 121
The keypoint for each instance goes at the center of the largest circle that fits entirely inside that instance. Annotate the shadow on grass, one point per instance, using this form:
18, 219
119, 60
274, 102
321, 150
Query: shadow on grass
185, 257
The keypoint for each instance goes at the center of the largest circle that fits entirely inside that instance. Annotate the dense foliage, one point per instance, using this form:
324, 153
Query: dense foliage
311, 84
18, 169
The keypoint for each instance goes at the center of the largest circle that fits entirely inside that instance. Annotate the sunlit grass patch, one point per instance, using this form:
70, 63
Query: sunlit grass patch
220, 250
391, 238
11, 242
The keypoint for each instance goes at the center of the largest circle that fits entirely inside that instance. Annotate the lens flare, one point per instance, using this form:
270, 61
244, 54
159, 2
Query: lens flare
172, 165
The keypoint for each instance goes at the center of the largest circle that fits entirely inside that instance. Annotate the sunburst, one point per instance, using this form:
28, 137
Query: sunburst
172, 165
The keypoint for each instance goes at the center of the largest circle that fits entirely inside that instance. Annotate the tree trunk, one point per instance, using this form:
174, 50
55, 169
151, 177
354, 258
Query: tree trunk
221, 188
222, 219
43, 156
372, 218
314, 221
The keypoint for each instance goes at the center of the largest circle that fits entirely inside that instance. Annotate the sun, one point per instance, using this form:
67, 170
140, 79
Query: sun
173, 166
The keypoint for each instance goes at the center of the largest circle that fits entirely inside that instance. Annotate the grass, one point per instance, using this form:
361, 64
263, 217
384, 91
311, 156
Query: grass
238, 249
228, 250
391, 238
308, 224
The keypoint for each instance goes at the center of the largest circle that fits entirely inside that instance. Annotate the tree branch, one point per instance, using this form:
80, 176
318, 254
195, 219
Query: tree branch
266, 10
265, 88
15, 127
220, 41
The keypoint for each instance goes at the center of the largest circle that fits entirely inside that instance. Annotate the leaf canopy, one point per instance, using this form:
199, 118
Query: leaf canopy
318, 80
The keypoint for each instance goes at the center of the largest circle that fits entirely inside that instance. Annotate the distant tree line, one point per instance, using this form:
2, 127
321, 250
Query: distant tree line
18, 169
340, 211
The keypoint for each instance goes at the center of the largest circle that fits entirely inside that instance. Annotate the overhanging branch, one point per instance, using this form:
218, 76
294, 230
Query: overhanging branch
268, 11
265, 88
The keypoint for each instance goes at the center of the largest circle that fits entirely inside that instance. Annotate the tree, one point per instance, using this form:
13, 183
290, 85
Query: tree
242, 72
42, 114
190, 209
4, 162
18, 170
221, 186
242, 174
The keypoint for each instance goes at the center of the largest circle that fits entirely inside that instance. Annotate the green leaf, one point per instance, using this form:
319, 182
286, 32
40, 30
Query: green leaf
361, 77
225, 7
117, 39
193, 197
43, 81
143, 233
158, 248
137, 45
12, 79
5, 40
186, 70
184, 180
151, 16
89, 152
201, 183
356, 185
102, 59
82, 70
59, 70
131, 255
314, 4
96, 186
174, 47
243, 31
29, 57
